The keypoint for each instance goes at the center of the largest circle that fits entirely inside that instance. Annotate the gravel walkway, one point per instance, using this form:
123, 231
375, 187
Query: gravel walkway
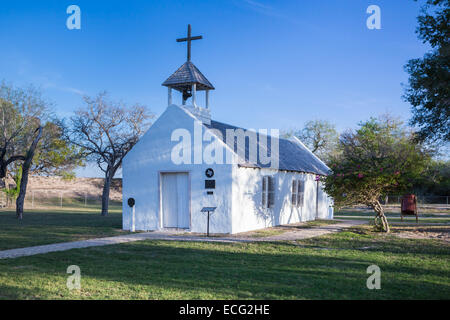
300, 233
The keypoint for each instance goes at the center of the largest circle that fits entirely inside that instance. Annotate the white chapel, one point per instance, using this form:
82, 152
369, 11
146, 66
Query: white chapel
187, 161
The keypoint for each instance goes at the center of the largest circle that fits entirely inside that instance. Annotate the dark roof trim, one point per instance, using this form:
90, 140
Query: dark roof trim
251, 166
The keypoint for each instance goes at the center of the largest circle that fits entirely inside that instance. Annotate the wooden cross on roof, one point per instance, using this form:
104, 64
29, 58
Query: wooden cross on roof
188, 40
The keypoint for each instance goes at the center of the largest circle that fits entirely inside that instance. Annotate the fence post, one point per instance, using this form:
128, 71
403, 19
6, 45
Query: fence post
32, 199
61, 196
85, 199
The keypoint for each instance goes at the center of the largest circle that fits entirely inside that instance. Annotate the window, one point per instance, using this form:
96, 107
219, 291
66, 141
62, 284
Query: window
268, 192
301, 193
298, 193
294, 192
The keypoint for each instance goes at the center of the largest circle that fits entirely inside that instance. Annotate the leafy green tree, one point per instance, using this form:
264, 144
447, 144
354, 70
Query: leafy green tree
55, 156
435, 181
428, 90
13, 193
30, 138
380, 157
21, 111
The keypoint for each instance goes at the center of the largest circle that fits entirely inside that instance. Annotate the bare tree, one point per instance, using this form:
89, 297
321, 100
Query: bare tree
319, 136
107, 131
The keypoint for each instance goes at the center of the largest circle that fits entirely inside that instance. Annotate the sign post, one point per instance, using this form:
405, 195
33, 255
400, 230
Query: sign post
209, 210
131, 203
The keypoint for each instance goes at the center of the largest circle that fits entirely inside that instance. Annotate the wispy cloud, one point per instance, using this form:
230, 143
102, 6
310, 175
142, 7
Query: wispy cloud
258, 5
49, 80
72, 90
266, 10
270, 11
47, 83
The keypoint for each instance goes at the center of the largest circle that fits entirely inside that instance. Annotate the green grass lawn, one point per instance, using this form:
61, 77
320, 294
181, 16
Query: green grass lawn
50, 226
328, 267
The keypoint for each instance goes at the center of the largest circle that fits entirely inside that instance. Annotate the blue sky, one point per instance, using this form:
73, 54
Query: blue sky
275, 64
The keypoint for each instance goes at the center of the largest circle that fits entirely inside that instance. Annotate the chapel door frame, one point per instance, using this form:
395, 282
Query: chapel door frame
160, 213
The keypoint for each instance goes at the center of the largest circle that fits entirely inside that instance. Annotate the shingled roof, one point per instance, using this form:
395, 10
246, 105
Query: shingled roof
293, 155
188, 74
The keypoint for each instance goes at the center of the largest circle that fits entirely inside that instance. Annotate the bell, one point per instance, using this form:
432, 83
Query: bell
186, 94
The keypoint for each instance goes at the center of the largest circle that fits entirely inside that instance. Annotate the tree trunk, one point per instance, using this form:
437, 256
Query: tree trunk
3, 169
381, 222
25, 171
3, 186
20, 202
106, 187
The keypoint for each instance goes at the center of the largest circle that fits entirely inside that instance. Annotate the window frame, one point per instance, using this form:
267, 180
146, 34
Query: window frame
294, 193
268, 192
301, 193
298, 193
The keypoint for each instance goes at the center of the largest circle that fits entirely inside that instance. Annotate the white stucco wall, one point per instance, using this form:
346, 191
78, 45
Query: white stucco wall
247, 213
325, 204
141, 175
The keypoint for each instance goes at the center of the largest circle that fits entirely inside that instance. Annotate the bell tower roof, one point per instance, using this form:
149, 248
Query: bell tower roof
187, 75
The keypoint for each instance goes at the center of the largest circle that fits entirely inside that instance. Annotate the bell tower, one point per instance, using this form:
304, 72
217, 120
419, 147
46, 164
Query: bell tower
188, 80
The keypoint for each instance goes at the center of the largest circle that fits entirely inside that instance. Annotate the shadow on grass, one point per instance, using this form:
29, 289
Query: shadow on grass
187, 270
363, 240
39, 228
60, 218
